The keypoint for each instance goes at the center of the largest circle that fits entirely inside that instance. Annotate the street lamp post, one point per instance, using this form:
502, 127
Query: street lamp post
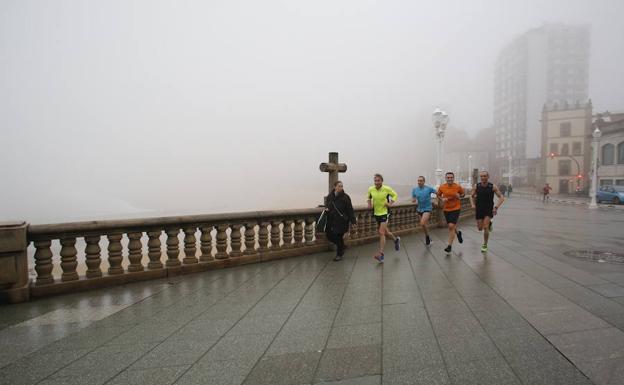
510, 176
594, 183
578, 168
469, 169
440, 120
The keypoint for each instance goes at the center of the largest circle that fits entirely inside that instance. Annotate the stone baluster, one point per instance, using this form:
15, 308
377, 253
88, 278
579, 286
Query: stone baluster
93, 256
135, 251
250, 238
287, 234
407, 220
401, 219
276, 234
298, 232
235, 241
263, 237
221, 242
69, 259
395, 220
363, 225
114, 254
43, 262
360, 223
190, 245
154, 250
309, 231
173, 248
370, 224
205, 241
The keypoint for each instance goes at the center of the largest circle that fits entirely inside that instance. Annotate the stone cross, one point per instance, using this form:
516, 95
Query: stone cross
333, 168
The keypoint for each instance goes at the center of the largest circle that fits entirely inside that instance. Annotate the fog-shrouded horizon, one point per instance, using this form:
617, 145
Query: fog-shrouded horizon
120, 109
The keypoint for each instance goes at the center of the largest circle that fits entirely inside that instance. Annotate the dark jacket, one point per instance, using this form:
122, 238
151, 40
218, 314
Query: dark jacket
340, 213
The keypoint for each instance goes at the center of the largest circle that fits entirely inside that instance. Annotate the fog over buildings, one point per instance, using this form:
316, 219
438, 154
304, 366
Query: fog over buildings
142, 108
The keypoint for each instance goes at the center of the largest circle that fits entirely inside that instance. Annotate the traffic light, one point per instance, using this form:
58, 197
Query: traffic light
580, 176
552, 155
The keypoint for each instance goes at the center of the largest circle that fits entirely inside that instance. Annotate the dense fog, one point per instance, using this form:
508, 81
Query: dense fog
117, 109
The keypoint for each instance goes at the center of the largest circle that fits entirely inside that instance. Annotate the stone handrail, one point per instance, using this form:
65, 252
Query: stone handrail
83, 255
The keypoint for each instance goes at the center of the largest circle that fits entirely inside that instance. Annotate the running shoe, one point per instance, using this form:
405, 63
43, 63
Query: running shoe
397, 243
337, 258
459, 237
483, 248
427, 240
491, 227
448, 249
379, 258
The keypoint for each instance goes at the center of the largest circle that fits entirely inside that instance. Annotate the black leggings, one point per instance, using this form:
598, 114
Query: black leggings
338, 240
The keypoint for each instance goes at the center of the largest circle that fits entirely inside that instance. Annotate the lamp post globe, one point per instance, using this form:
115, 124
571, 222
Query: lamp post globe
594, 182
510, 166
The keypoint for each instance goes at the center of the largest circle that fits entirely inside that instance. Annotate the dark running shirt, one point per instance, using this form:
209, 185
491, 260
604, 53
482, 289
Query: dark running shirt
485, 196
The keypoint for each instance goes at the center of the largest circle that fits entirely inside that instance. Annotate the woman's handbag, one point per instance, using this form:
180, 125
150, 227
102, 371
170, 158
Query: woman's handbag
321, 222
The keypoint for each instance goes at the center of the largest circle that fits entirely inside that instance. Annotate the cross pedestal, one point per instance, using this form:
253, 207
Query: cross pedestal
333, 168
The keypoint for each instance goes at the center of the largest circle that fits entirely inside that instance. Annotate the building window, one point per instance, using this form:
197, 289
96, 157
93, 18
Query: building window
564, 167
565, 129
608, 152
619, 182
606, 182
565, 149
576, 148
554, 148
620, 157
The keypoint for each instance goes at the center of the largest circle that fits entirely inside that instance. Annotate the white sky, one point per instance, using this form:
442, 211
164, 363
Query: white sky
125, 108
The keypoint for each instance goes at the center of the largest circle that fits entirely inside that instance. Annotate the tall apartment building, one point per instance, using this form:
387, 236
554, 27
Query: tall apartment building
545, 65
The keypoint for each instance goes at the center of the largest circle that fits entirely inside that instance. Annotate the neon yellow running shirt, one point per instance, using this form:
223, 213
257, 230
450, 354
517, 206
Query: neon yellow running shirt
380, 197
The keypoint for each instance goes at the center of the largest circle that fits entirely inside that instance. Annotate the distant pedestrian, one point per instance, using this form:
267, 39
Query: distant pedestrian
421, 195
503, 188
340, 216
509, 190
546, 192
450, 194
482, 200
380, 198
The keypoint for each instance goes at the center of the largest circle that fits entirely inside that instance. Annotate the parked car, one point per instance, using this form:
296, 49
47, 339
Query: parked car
611, 194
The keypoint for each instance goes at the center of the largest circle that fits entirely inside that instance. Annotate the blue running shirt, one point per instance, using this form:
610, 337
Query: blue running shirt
423, 197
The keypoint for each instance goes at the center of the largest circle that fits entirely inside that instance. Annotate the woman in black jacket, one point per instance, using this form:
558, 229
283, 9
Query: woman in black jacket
339, 216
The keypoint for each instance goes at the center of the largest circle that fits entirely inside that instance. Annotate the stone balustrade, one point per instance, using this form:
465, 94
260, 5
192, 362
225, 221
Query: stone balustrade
85, 255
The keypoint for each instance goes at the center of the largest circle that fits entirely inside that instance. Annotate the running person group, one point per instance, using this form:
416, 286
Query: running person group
381, 197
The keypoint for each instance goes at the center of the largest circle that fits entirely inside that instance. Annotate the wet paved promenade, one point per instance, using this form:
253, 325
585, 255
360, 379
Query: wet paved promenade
522, 314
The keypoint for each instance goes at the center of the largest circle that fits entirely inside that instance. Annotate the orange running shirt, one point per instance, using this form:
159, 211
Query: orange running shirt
450, 192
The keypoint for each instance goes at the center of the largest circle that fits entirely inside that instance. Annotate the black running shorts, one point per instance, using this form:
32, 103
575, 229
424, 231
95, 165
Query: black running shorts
381, 219
482, 212
451, 216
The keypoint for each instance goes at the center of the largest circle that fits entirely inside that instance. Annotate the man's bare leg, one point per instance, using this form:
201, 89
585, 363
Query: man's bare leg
452, 229
424, 220
486, 230
382, 236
